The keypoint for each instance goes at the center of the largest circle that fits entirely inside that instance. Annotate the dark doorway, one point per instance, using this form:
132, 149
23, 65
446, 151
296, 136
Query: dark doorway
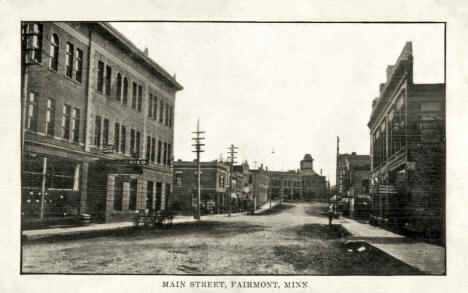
168, 195
133, 195
118, 193
149, 195
157, 204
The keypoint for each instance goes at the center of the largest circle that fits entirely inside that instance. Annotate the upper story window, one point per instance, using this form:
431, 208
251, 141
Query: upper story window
100, 77
116, 137
69, 61
31, 122
159, 152
76, 125
32, 38
148, 147
171, 115
140, 96
108, 79
166, 121
137, 144
125, 91
150, 105
161, 111
123, 139
169, 158
97, 131
153, 143
134, 95
155, 108
165, 154
105, 133
118, 92
54, 52
132, 141
66, 121
79, 65
50, 117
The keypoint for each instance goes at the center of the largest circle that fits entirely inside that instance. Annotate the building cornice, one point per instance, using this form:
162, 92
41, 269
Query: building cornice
134, 49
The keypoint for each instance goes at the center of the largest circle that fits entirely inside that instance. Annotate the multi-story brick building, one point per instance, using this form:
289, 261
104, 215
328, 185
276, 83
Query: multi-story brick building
285, 184
353, 173
214, 183
98, 118
407, 135
314, 186
303, 183
259, 182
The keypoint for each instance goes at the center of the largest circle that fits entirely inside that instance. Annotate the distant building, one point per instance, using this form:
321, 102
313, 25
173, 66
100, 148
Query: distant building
214, 182
259, 183
97, 123
314, 186
407, 132
353, 173
303, 183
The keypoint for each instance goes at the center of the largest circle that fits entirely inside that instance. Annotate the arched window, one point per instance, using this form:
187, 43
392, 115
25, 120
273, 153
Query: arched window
118, 92
125, 91
54, 49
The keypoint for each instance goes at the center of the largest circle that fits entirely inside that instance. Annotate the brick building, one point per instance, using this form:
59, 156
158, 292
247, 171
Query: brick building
314, 186
353, 173
214, 182
260, 186
97, 121
303, 183
407, 133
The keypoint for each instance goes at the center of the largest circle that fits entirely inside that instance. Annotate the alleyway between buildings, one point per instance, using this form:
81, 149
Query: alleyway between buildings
293, 238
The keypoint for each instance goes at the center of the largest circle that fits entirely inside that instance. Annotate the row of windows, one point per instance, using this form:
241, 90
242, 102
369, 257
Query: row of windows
104, 81
32, 38
390, 134
70, 118
134, 149
153, 111
164, 151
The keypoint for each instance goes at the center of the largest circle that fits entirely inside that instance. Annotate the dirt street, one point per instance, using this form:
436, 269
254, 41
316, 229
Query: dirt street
291, 239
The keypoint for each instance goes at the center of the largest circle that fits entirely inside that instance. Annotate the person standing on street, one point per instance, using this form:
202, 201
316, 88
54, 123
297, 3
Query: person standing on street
330, 214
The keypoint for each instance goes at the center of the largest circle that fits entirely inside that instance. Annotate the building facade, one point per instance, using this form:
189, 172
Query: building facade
407, 136
214, 182
314, 186
260, 187
97, 123
353, 172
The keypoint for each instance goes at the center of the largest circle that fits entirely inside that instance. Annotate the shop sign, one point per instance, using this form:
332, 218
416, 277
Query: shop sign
387, 189
131, 162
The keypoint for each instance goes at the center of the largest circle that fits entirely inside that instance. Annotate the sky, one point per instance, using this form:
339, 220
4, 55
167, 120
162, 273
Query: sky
290, 88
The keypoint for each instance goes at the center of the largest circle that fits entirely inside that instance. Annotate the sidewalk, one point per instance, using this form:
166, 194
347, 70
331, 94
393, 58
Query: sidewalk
109, 227
426, 257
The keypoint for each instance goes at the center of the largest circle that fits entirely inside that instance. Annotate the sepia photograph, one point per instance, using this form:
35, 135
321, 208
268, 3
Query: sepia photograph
220, 148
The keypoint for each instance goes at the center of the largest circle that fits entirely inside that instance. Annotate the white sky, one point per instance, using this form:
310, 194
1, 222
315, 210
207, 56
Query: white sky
291, 87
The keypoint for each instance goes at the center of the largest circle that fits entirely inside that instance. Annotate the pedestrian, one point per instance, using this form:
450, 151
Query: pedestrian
330, 214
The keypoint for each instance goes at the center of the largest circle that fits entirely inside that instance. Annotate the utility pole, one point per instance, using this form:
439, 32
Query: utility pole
198, 145
232, 156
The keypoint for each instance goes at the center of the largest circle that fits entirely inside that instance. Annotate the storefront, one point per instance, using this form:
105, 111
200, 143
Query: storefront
50, 187
119, 188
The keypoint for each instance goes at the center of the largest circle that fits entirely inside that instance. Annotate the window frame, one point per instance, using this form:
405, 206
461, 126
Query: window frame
66, 121
70, 49
54, 52
79, 65
50, 117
